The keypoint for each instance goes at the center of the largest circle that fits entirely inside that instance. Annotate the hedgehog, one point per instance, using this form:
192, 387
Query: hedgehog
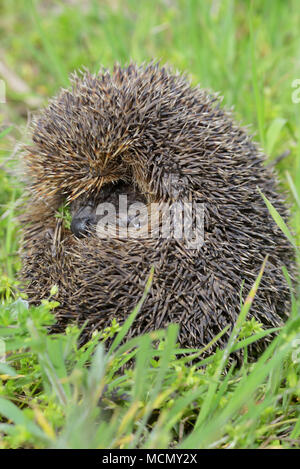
147, 135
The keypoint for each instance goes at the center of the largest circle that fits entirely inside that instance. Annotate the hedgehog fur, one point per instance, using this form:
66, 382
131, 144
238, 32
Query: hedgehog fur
146, 129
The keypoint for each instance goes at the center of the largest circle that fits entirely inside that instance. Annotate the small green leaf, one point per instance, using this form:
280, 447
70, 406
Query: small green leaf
278, 219
5, 132
273, 133
17, 416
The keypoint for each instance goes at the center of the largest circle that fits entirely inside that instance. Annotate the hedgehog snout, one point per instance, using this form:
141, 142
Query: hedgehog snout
83, 220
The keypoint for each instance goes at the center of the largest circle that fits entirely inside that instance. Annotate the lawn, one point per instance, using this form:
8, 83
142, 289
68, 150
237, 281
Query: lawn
249, 52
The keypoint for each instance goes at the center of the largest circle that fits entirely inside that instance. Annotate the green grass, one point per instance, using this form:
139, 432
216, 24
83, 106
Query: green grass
249, 52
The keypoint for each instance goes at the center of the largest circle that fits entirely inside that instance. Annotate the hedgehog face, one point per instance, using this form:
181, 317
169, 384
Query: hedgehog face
88, 213
145, 133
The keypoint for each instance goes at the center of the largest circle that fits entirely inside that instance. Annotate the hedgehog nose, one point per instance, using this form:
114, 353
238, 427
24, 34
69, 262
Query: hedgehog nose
82, 222
79, 227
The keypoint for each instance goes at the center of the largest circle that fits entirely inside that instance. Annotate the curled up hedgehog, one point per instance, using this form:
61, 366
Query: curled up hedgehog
154, 173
